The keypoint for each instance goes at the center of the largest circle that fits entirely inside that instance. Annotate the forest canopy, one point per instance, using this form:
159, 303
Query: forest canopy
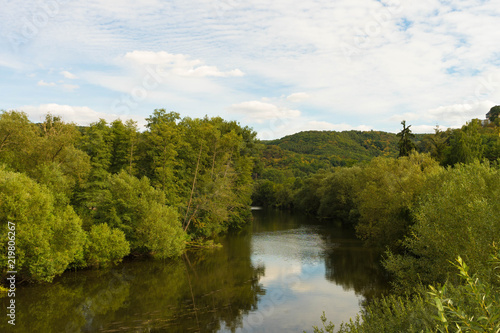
86, 196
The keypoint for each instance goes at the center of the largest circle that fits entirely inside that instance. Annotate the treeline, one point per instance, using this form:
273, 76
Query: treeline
436, 216
281, 173
307, 152
88, 196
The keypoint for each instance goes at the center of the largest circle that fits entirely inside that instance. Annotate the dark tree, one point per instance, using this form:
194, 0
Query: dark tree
493, 113
405, 143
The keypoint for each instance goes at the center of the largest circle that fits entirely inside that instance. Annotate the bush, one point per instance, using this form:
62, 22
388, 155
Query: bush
134, 207
457, 215
48, 237
105, 246
388, 190
471, 306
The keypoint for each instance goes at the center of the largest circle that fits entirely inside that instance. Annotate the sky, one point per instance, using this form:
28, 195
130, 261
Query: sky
280, 67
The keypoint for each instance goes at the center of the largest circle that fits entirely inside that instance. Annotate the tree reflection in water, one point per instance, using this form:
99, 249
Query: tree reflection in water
216, 289
149, 296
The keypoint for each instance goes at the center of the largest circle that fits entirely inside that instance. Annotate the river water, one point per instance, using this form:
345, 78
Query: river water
278, 274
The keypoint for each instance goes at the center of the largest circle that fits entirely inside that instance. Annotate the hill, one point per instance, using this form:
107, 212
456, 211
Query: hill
309, 151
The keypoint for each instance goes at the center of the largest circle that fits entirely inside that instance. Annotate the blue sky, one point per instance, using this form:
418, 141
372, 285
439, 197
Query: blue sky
280, 67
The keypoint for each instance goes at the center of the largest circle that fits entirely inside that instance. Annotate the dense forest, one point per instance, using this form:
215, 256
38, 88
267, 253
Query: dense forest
89, 196
434, 213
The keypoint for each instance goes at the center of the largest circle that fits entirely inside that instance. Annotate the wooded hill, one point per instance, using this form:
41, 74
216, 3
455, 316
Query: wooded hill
307, 152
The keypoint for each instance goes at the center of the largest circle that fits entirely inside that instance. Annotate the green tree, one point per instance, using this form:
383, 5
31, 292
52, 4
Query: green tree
493, 114
456, 215
136, 208
161, 145
97, 142
405, 143
338, 200
388, 189
17, 139
436, 144
49, 237
125, 140
466, 144
105, 246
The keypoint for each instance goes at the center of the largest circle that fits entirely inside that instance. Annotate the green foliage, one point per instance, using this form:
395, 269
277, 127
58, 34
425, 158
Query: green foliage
338, 196
457, 214
49, 236
125, 141
472, 307
388, 191
139, 211
17, 138
466, 144
347, 145
493, 114
97, 143
105, 246
405, 143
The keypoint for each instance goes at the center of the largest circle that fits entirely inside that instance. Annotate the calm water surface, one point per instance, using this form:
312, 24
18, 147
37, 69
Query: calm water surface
277, 275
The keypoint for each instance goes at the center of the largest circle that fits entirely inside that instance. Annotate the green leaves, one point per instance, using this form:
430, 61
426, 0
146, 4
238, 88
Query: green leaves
456, 214
49, 236
405, 143
105, 246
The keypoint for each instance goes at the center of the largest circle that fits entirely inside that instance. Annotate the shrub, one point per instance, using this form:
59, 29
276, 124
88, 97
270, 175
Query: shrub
105, 246
48, 236
457, 215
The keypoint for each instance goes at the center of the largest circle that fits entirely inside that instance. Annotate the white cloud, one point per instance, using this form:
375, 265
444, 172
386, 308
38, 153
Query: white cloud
42, 83
413, 59
81, 115
298, 97
68, 75
257, 111
178, 64
454, 116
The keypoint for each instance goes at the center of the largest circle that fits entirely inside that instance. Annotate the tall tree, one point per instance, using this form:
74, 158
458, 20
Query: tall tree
162, 141
405, 143
466, 144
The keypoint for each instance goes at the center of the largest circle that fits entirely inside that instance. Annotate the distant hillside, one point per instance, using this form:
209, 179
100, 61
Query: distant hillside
312, 150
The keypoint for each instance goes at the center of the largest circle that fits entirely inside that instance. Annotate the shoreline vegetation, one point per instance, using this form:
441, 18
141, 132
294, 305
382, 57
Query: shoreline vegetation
86, 197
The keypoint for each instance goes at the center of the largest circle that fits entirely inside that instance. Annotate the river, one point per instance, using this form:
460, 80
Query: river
278, 274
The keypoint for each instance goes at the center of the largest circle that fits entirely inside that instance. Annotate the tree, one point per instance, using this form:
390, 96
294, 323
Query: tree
405, 143
456, 214
105, 246
437, 143
17, 139
125, 137
133, 206
466, 144
49, 237
493, 113
162, 140
388, 189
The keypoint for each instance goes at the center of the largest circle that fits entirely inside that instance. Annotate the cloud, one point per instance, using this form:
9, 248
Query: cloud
403, 58
298, 97
257, 111
178, 64
81, 115
68, 75
42, 83
454, 115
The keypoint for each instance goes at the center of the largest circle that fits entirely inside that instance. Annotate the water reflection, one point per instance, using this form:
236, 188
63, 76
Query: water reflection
278, 274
